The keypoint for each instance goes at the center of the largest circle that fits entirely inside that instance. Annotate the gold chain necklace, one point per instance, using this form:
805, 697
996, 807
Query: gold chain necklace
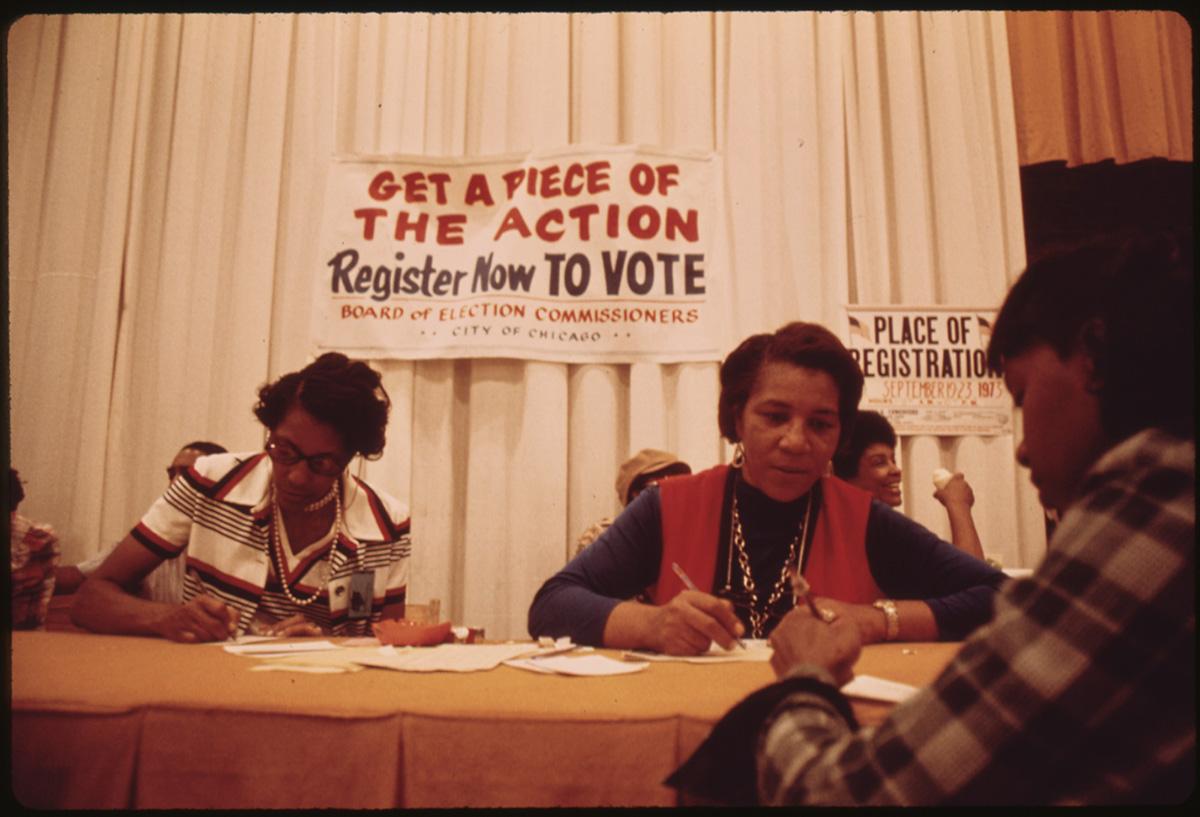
277, 547
795, 556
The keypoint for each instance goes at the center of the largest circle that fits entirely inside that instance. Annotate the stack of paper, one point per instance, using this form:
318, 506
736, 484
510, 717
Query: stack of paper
444, 657
320, 655
260, 648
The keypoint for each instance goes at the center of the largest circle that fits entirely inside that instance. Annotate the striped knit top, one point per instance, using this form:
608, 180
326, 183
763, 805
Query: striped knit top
218, 516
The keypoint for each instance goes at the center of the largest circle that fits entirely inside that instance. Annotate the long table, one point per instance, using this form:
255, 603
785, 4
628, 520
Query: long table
123, 722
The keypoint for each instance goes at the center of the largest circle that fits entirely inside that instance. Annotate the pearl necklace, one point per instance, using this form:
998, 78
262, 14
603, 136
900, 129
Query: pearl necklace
323, 501
277, 546
795, 556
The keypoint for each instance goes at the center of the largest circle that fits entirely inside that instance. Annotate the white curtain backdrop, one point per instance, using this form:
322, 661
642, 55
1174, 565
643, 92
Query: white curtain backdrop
166, 180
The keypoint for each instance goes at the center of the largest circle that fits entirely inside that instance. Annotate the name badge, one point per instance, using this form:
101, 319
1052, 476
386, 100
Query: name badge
362, 592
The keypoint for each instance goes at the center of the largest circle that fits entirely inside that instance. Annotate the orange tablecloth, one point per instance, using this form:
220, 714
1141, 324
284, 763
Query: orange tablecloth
119, 722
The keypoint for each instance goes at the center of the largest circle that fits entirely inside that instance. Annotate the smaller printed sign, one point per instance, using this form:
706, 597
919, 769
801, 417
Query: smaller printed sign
925, 369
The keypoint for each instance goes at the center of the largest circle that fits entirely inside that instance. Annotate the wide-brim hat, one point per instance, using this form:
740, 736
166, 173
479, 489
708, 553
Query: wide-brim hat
646, 461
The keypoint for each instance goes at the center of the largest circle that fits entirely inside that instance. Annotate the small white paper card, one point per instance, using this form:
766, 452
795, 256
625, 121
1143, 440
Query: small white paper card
878, 689
312, 668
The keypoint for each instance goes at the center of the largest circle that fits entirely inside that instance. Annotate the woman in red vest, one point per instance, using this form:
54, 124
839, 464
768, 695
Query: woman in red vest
737, 532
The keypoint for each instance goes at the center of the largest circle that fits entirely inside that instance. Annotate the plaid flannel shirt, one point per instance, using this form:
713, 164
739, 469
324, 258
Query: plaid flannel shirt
1081, 690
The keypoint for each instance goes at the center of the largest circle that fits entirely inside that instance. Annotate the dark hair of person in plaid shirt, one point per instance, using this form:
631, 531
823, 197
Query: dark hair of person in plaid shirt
1129, 302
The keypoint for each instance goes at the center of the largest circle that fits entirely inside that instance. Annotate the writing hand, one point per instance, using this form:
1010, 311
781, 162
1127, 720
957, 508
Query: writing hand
802, 638
204, 618
293, 627
690, 622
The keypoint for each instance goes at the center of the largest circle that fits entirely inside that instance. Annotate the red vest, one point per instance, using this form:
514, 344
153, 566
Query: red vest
691, 524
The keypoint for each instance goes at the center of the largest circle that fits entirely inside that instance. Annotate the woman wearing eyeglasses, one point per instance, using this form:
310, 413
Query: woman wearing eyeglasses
284, 541
739, 533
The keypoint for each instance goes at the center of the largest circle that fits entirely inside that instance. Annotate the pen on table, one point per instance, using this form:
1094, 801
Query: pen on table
555, 651
691, 585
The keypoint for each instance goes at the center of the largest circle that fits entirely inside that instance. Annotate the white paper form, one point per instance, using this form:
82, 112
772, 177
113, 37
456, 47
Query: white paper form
242, 639
444, 657
342, 659
757, 649
578, 665
352, 641
263, 650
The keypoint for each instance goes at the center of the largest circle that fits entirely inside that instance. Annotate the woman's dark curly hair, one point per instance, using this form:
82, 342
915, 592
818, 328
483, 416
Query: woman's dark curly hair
802, 344
870, 427
343, 393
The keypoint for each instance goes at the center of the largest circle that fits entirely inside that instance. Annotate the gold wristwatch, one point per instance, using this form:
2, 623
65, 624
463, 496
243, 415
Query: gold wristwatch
892, 615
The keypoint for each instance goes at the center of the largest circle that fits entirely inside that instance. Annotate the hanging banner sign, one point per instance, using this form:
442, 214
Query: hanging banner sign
925, 369
599, 255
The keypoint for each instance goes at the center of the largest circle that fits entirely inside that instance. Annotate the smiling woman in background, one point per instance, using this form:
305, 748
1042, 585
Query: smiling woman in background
284, 541
868, 460
788, 400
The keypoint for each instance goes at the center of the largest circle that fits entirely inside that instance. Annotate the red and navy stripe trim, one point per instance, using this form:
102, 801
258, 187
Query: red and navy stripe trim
306, 564
225, 582
198, 481
389, 530
154, 543
225, 484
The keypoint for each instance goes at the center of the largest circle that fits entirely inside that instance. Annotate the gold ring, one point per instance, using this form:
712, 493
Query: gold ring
828, 616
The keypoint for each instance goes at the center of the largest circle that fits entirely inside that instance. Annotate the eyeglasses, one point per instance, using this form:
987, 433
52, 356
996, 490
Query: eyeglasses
325, 465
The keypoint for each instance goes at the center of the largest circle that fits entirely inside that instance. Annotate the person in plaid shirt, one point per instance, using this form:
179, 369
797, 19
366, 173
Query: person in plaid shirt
1082, 688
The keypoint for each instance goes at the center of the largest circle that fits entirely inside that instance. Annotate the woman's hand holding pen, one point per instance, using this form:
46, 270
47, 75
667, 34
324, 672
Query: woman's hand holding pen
690, 622
291, 627
203, 618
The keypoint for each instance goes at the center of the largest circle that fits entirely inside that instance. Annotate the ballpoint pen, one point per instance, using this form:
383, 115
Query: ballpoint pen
691, 585
801, 590
555, 651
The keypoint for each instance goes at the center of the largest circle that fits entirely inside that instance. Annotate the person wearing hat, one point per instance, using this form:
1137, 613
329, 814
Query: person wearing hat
643, 469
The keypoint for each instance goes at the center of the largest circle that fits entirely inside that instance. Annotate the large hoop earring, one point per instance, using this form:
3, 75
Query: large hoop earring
739, 456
